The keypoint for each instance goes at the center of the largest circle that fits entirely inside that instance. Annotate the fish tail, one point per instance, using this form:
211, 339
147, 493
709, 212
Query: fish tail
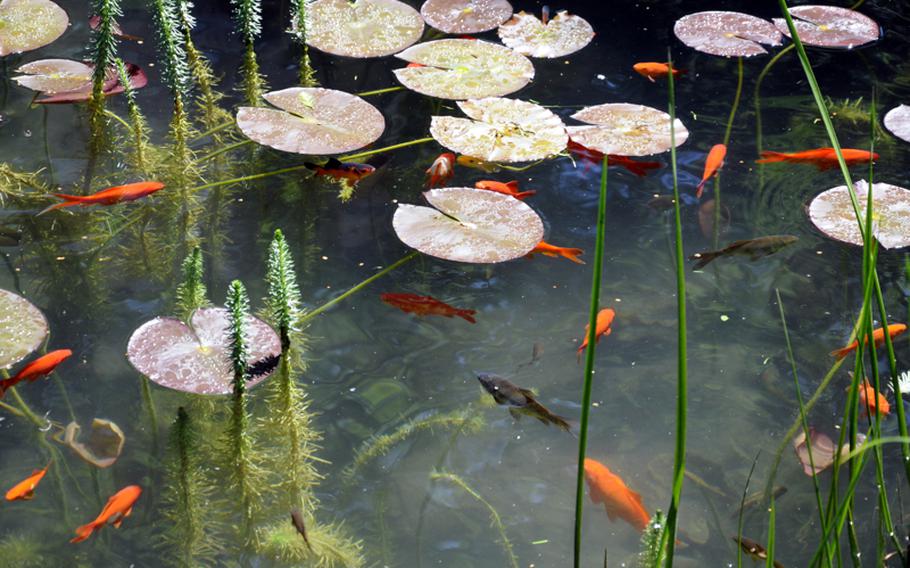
842, 352
768, 157
83, 532
467, 315
523, 194
572, 254
700, 188
69, 201
703, 259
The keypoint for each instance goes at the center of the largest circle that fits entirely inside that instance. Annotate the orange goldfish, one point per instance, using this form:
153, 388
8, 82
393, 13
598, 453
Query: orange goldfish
118, 507
341, 170
713, 164
823, 158
878, 336
508, 188
606, 487
478, 164
38, 368
595, 157
426, 305
872, 401
604, 321
441, 170
25, 489
654, 70
109, 196
547, 249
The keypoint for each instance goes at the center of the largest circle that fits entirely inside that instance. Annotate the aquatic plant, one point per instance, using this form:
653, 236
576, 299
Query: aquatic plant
137, 126
104, 55
22, 551
248, 21
191, 293
651, 554
298, 30
331, 547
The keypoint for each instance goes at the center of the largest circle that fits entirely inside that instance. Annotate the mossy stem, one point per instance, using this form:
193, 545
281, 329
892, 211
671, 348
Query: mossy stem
379, 91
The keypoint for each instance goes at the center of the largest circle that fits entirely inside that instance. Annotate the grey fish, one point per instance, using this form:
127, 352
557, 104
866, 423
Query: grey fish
10, 237
297, 519
757, 497
755, 550
753, 248
520, 400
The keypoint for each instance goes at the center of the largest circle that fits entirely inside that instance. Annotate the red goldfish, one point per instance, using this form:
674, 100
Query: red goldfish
118, 507
654, 70
426, 305
823, 158
595, 157
25, 489
109, 196
508, 188
341, 170
547, 249
602, 327
871, 401
38, 368
606, 487
878, 335
713, 164
441, 170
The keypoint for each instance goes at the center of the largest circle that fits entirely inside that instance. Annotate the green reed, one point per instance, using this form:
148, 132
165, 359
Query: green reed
741, 514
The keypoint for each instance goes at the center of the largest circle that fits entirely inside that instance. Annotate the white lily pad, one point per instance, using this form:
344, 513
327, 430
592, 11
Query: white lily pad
822, 448
561, 35
830, 26
832, 213
469, 225
22, 328
312, 121
728, 34
465, 16
502, 130
460, 69
626, 129
362, 28
197, 359
29, 24
52, 76
897, 120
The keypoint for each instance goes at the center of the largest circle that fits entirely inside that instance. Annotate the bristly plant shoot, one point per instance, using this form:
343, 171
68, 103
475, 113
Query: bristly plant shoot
191, 293
104, 53
284, 296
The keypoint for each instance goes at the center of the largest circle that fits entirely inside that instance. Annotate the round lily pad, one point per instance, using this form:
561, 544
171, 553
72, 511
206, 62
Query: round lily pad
67, 81
830, 26
626, 129
22, 328
197, 359
561, 35
469, 225
312, 121
461, 69
502, 130
465, 16
832, 213
897, 120
29, 24
362, 28
728, 34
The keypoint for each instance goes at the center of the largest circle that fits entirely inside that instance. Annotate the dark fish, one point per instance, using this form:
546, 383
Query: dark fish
297, 519
10, 237
753, 248
341, 170
755, 550
264, 366
661, 202
520, 400
755, 498
536, 352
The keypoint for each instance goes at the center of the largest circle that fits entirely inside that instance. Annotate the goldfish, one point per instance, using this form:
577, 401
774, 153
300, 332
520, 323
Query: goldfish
606, 487
520, 400
547, 249
95, 21
341, 170
654, 70
118, 507
602, 327
713, 164
109, 196
478, 164
38, 368
25, 489
508, 188
823, 158
753, 248
878, 336
441, 170
872, 401
414, 64
594, 157
426, 305
755, 550
297, 520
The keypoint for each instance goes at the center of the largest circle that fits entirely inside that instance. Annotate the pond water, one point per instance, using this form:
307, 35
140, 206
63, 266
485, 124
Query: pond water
372, 369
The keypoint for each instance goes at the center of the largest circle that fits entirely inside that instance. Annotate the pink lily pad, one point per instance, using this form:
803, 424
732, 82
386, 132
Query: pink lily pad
465, 16
830, 26
64, 81
196, 358
95, 21
822, 450
29, 24
728, 34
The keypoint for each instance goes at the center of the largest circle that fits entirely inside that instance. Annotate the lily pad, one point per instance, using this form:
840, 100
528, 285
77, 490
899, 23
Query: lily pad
465, 16
626, 129
502, 130
22, 328
728, 34
68, 81
312, 121
830, 26
197, 359
362, 28
469, 225
832, 213
561, 35
822, 450
29, 24
104, 444
461, 69
897, 120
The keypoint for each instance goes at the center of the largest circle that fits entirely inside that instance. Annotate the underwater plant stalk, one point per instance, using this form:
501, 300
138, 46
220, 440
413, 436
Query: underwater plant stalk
137, 126
298, 30
741, 514
248, 17
153, 413
758, 124
769, 561
104, 50
191, 293
380, 91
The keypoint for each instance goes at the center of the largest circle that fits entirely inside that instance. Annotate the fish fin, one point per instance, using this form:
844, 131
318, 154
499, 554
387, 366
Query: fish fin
524, 194
311, 166
572, 254
467, 315
548, 253
332, 163
641, 168
83, 532
636, 497
68, 203
611, 513
650, 78
842, 352
28, 495
703, 259
700, 189
516, 414
513, 185
561, 422
768, 157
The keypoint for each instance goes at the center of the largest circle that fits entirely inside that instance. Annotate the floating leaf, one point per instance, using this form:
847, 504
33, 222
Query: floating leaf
626, 129
897, 120
561, 35
728, 34
197, 359
832, 213
22, 328
469, 225
830, 26
461, 69
822, 450
67, 81
29, 24
104, 444
363, 28
312, 121
503, 130
465, 16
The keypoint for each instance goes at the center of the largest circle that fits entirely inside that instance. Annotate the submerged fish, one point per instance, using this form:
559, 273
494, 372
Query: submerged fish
297, 520
109, 196
36, 369
655, 70
606, 487
823, 158
263, 366
508, 188
755, 550
753, 248
547, 249
520, 401
602, 327
441, 170
10, 237
25, 489
478, 164
595, 157
713, 163
426, 305
341, 170
871, 401
118, 507
878, 337
754, 499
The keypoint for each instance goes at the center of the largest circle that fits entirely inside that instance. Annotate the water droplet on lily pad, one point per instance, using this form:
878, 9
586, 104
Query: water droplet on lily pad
103, 446
22, 328
561, 35
29, 24
728, 34
67, 81
626, 129
362, 28
897, 120
465, 16
832, 213
830, 26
